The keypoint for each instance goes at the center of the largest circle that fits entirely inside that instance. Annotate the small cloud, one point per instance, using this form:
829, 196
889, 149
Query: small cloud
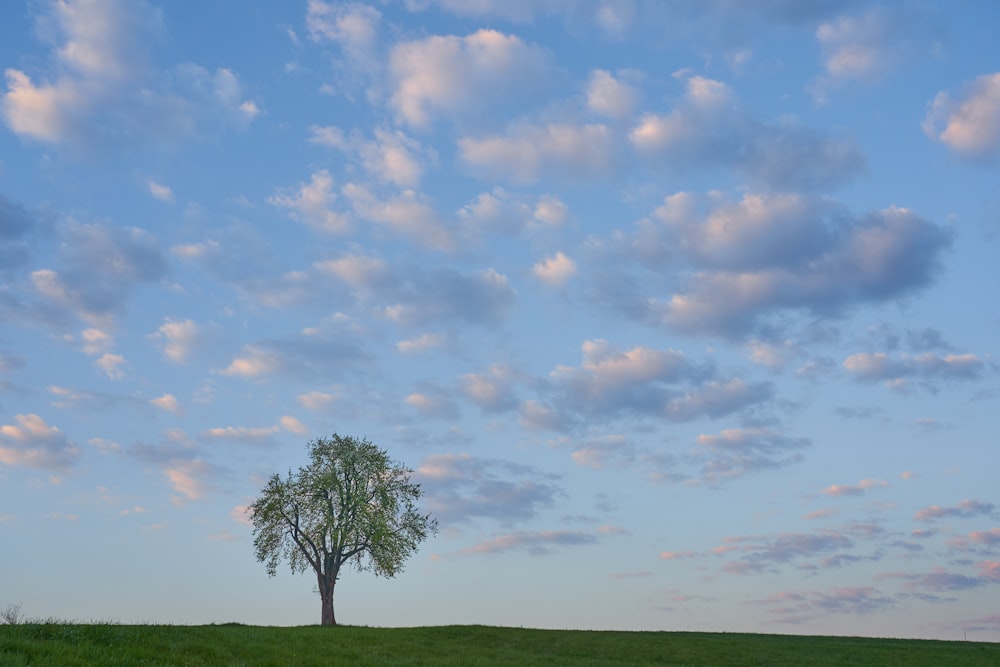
111, 365
293, 425
161, 192
555, 270
963, 510
167, 402
859, 489
970, 126
421, 343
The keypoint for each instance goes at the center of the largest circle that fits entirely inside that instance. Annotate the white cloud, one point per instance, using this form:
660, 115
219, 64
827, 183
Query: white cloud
433, 403
317, 400
105, 94
354, 26
708, 127
188, 478
409, 214
464, 76
312, 204
859, 489
96, 341
610, 96
422, 343
254, 362
179, 338
293, 425
161, 192
970, 126
767, 254
391, 156
111, 365
529, 152
167, 402
894, 371
33, 443
555, 270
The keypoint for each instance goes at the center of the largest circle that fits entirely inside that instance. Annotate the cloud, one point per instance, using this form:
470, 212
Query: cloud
499, 211
167, 402
111, 365
293, 425
418, 297
161, 192
970, 125
492, 390
433, 402
309, 356
105, 93
317, 400
605, 452
873, 367
354, 26
610, 96
312, 204
869, 45
766, 553
859, 489
527, 153
18, 230
766, 255
966, 509
979, 541
483, 73
188, 478
179, 338
555, 270
32, 443
734, 453
536, 543
99, 268
797, 607
391, 157
409, 214
244, 435
708, 128
422, 343
462, 487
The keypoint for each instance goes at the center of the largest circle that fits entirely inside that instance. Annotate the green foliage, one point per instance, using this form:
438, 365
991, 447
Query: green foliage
164, 645
351, 505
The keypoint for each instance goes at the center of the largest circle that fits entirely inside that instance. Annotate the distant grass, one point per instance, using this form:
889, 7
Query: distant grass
70, 644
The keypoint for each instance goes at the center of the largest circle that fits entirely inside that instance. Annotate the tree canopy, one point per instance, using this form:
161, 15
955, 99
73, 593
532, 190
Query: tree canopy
350, 505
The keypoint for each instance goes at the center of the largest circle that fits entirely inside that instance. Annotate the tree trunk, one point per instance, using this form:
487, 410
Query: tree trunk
326, 595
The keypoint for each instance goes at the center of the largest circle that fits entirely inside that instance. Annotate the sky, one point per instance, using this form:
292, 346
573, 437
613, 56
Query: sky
682, 312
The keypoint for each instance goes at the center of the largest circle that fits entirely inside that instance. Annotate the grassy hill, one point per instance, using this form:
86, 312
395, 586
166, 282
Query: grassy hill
127, 645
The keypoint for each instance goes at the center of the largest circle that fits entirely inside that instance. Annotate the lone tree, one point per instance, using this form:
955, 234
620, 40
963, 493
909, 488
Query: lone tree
350, 505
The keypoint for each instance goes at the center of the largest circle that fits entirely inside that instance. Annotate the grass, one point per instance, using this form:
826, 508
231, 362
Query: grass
69, 644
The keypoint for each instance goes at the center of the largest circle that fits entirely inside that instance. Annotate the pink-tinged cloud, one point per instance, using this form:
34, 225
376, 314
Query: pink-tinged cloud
858, 489
32, 443
676, 555
963, 510
535, 543
990, 569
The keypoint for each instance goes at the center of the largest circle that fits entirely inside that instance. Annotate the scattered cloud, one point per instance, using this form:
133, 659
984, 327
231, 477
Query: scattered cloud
966, 509
103, 93
464, 77
462, 487
33, 443
859, 489
970, 125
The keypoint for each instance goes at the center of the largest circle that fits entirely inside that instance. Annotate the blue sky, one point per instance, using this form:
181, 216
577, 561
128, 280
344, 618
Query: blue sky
684, 313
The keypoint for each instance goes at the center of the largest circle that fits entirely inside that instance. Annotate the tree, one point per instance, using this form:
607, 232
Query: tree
350, 505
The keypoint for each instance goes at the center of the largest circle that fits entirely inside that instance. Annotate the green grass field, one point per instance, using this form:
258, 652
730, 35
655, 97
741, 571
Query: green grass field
68, 644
